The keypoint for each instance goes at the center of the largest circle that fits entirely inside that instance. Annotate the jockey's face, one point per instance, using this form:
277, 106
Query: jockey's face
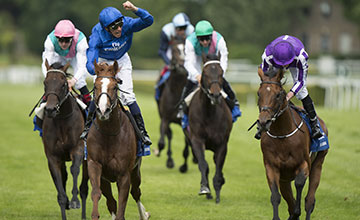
64, 42
204, 40
180, 31
115, 28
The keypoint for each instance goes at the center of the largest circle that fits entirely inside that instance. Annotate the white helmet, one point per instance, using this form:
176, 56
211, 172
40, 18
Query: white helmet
181, 19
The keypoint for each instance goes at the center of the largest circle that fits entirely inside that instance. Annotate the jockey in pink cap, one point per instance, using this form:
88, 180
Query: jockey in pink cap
64, 28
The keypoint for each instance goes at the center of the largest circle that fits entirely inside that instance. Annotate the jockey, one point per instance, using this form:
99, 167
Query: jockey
288, 52
180, 26
206, 40
68, 44
110, 40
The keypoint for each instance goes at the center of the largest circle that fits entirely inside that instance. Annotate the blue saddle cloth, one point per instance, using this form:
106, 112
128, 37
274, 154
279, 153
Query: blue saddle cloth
319, 144
161, 81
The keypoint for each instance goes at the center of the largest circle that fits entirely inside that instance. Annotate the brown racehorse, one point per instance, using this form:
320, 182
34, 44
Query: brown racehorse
210, 124
112, 146
169, 99
62, 125
285, 145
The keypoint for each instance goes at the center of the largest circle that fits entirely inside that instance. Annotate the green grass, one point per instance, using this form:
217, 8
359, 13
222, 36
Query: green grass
27, 190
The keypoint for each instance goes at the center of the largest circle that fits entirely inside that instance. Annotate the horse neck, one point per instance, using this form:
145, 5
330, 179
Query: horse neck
66, 109
283, 123
206, 103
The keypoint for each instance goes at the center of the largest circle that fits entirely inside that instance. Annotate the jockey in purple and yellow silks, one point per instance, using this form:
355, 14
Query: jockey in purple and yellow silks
206, 40
288, 52
110, 40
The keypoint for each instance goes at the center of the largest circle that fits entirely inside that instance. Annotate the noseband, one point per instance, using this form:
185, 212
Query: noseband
61, 101
278, 111
207, 90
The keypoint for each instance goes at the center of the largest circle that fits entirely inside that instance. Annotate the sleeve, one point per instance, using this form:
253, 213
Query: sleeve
92, 52
164, 45
145, 20
81, 48
48, 54
302, 67
223, 54
190, 60
266, 64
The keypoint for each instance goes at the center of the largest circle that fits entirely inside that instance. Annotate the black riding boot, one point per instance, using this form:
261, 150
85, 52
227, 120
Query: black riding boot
231, 101
140, 123
186, 91
258, 132
86, 97
88, 122
309, 107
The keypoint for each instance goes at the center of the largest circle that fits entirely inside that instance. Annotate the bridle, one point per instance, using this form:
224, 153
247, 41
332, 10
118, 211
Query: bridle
61, 100
113, 102
207, 90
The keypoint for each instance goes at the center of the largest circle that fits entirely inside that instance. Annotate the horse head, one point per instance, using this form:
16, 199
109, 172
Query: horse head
272, 97
56, 88
178, 54
106, 88
211, 78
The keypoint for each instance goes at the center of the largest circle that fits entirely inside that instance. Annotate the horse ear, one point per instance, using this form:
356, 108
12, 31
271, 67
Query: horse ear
280, 75
116, 67
66, 67
260, 73
47, 64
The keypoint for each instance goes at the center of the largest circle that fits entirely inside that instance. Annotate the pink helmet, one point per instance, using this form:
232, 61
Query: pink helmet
64, 28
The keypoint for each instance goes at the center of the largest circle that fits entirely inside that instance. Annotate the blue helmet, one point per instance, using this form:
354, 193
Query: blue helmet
283, 53
109, 15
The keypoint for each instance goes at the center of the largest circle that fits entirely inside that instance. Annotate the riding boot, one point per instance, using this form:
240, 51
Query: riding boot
186, 91
86, 97
89, 121
310, 109
140, 123
231, 100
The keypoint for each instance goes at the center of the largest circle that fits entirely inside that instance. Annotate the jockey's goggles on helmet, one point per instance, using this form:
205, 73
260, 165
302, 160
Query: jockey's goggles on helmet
204, 38
181, 28
64, 39
116, 24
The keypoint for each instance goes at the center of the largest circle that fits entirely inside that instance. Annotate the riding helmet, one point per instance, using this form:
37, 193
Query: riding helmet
283, 53
203, 28
64, 28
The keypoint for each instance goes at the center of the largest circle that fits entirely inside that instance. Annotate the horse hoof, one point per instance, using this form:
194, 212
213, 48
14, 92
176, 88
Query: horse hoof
170, 163
75, 205
217, 200
183, 168
156, 152
146, 216
204, 190
209, 196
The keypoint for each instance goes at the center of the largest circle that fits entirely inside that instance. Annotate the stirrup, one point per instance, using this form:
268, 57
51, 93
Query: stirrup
146, 140
84, 134
316, 132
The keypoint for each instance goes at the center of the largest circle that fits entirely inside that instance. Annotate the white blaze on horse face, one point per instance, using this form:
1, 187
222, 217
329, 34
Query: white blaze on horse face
103, 99
182, 51
268, 88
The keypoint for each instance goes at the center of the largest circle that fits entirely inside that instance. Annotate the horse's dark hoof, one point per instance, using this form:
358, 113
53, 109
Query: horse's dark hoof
217, 200
75, 204
183, 168
170, 163
209, 196
195, 161
204, 190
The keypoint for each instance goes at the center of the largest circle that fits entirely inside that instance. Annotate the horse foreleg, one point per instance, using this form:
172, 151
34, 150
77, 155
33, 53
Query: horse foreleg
123, 185
161, 143
183, 168
273, 177
300, 180
84, 189
198, 149
105, 187
219, 180
286, 192
314, 180
56, 170
94, 170
136, 192
170, 161
75, 170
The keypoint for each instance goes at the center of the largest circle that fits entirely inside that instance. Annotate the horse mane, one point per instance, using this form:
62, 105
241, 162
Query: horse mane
57, 65
212, 56
271, 73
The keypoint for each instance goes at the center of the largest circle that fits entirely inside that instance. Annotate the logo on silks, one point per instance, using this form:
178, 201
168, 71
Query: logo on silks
115, 46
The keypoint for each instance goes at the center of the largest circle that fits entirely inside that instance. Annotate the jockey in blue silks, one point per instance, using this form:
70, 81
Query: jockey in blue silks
110, 40
288, 52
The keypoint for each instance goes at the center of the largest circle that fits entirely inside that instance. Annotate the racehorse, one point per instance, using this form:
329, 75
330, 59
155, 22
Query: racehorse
62, 125
210, 124
112, 146
169, 99
285, 145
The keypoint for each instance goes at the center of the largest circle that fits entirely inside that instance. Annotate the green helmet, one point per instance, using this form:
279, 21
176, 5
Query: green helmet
203, 28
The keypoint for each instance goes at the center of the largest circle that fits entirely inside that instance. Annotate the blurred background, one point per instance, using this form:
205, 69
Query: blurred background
329, 29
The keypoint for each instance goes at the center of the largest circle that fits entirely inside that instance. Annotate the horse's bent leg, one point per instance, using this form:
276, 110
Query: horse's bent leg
161, 143
300, 180
105, 187
56, 170
273, 177
136, 192
84, 189
183, 168
170, 161
94, 170
219, 180
123, 185
75, 170
286, 192
203, 166
314, 180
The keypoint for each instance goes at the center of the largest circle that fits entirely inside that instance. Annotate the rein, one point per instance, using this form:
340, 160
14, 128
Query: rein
211, 62
205, 90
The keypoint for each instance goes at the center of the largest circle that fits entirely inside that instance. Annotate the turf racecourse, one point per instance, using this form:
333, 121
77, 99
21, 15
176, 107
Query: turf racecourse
27, 191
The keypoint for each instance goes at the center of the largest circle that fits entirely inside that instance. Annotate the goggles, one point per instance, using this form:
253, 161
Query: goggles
116, 24
204, 38
64, 39
181, 28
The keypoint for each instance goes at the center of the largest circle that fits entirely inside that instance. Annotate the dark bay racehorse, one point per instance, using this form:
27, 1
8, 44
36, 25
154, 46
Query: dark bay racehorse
169, 99
62, 125
286, 146
112, 148
210, 124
